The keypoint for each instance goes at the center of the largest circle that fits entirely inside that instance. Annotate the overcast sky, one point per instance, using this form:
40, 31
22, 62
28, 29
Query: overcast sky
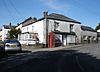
15, 11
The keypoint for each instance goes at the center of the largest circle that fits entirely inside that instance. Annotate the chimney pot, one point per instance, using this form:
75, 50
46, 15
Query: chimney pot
45, 13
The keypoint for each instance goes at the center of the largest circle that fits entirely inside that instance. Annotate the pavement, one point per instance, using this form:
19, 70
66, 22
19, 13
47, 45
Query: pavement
32, 49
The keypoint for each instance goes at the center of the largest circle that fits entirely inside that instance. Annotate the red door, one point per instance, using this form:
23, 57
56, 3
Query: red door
51, 40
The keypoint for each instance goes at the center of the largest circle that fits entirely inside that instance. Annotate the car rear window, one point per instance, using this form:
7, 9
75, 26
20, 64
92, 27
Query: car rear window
11, 41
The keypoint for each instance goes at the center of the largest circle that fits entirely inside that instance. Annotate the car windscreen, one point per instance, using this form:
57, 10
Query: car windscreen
11, 41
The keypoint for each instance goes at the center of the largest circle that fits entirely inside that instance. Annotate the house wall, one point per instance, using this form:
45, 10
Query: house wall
28, 28
70, 39
20, 26
77, 30
88, 34
98, 30
4, 33
0, 35
65, 27
36, 27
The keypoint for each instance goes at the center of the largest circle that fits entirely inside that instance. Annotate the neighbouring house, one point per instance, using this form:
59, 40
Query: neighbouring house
0, 34
5, 30
53, 28
88, 35
98, 35
98, 30
26, 37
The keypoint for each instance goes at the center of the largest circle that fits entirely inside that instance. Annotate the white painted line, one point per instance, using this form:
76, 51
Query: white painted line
80, 66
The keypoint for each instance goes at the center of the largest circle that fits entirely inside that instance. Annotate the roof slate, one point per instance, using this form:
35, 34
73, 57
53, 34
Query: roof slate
53, 16
86, 28
61, 17
8, 26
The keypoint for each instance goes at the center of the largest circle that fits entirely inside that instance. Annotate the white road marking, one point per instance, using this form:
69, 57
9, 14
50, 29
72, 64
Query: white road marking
77, 60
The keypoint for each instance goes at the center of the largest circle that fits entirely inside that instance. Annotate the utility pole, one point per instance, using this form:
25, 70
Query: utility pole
46, 23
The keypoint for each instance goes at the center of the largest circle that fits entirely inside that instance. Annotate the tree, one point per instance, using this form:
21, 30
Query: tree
13, 33
97, 27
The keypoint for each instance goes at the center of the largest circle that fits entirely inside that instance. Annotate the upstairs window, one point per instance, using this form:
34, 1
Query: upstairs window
56, 25
71, 27
32, 28
27, 29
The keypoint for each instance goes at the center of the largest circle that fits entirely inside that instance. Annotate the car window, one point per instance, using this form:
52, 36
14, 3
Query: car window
11, 41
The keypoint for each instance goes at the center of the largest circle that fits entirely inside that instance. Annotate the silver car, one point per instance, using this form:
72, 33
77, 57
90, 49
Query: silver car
12, 45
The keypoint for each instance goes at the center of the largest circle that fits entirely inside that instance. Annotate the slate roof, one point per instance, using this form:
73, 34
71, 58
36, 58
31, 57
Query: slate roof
28, 21
86, 28
53, 16
61, 17
65, 33
8, 26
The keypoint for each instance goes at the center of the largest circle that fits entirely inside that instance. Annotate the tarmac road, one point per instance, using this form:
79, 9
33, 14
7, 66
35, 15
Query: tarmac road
70, 60
58, 61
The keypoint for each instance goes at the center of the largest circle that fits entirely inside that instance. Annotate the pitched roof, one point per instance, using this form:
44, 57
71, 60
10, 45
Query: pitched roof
28, 21
61, 17
65, 33
8, 26
54, 16
86, 28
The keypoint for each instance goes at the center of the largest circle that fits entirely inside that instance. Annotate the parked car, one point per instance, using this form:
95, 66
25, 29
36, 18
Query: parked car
2, 45
12, 45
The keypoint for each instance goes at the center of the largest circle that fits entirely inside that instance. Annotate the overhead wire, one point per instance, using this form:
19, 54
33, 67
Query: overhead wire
7, 9
17, 11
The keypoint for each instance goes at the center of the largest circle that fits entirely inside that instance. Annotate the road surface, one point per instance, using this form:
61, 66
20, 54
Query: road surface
81, 59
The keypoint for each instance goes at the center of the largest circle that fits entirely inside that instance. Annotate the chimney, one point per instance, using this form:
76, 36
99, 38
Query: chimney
10, 24
45, 14
34, 18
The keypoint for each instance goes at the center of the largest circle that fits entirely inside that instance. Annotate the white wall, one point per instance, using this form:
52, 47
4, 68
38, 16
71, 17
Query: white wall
27, 28
98, 30
20, 26
89, 33
70, 39
77, 30
63, 26
4, 33
36, 27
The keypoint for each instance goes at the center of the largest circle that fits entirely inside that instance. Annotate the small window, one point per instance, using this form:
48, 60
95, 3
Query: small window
32, 28
56, 25
27, 29
84, 37
71, 27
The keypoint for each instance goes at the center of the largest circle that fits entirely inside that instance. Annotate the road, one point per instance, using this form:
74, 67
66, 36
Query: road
76, 59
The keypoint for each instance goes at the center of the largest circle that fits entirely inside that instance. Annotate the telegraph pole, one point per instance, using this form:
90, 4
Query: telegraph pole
46, 23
